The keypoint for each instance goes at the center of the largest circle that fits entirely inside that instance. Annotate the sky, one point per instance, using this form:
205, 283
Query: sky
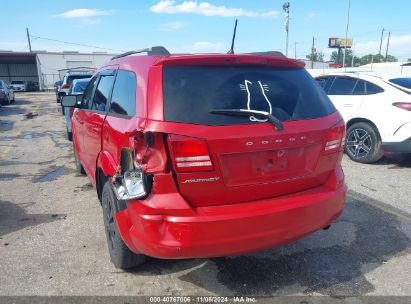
200, 26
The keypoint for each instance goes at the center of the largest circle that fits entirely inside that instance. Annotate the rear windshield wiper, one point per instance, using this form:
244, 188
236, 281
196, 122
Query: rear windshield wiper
257, 114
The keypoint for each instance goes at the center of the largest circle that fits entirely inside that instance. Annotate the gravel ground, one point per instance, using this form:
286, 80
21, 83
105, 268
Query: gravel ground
52, 240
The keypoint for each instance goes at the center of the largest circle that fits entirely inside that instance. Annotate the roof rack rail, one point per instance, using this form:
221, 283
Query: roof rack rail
153, 51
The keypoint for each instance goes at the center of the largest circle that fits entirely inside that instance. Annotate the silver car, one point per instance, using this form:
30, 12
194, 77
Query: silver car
6, 93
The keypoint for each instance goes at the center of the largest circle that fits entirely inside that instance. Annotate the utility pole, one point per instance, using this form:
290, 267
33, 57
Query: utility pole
312, 53
382, 36
352, 57
388, 44
28, 38
346, 34
295, 49
286, 8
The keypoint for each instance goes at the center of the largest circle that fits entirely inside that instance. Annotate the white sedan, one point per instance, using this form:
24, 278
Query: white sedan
376, 109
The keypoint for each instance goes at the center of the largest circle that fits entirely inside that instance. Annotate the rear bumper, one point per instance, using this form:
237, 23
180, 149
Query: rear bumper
402, 146
231, 229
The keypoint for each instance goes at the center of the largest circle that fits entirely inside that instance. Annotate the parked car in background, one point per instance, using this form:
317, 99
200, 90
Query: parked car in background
68, 80
32, 86
18, 86
376, 109
208, 155
77, 88
6, 93
57, 85
403, 83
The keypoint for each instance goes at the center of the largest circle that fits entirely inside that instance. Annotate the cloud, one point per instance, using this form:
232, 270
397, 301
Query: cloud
312, 15
206, 9
400, 46
84, 13
172, 26
207, 47
87, 22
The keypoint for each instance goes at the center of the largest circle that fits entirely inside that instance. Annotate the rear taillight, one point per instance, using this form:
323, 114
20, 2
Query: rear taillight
65, 86
403, 105
189, 154
335, 140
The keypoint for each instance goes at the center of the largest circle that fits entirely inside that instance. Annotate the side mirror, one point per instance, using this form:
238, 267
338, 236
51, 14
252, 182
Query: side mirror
69, 101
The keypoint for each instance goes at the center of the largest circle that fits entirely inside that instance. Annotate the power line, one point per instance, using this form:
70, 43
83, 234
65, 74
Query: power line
78, 44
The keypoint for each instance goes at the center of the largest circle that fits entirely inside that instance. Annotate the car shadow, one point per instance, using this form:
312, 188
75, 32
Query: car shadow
14, 217
333, 262
20, 102
6, 125
398, 160
14, 108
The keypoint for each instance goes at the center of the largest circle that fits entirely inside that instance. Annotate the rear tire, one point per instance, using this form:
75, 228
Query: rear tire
363, 143
69, 136
6, 101
121, 256
79, 167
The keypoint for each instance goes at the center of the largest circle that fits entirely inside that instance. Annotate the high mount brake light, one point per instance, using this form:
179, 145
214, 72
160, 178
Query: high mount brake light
403, 105
335, 140
189, 154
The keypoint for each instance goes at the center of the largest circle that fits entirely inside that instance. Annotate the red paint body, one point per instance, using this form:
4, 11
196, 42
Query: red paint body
245, 205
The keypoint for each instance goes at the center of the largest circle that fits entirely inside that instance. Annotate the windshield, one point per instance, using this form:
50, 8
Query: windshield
287, 94
404, 82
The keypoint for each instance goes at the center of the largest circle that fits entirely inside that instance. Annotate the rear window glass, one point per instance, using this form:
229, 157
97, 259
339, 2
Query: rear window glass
373, 88
71, 78
403, 82
359, 88
342, 86
123, 101
191, 92
80, 86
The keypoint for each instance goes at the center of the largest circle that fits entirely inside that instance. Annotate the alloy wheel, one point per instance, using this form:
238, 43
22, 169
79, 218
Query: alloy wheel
359, 143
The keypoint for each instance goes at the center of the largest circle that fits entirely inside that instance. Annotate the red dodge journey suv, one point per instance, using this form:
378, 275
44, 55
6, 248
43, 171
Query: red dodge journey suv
207, 155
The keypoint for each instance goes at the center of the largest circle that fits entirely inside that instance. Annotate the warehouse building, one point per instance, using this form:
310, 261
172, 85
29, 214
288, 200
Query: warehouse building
45, 68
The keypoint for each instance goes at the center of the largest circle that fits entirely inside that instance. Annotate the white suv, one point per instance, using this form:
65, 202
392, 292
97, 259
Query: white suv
376, 109
19, 86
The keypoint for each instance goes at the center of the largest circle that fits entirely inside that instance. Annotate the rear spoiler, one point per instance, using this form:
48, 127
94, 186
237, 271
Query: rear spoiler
228, 59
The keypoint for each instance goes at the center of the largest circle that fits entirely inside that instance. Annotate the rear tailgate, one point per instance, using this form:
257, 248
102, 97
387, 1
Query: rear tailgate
247, 167
225, 159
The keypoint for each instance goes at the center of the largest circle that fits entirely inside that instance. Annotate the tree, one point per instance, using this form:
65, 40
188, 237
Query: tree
391, 58
367, 59
316, 57
348, 58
